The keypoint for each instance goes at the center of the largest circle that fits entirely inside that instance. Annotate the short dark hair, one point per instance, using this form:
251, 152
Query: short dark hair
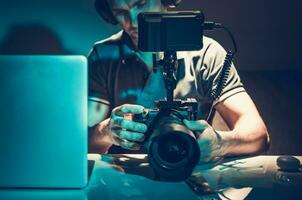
103, 9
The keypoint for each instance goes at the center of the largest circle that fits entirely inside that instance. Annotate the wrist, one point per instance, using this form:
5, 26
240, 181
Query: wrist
102, 129
227, 142
99, 138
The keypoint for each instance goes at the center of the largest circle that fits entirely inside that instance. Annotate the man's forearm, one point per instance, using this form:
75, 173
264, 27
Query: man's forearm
245, 138
98, 139
248, 133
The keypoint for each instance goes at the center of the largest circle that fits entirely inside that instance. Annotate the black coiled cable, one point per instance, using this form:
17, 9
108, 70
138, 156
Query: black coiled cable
223, 76
226, 68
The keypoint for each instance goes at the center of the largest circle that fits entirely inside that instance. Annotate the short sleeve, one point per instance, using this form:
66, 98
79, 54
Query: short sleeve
97, 79
213, 61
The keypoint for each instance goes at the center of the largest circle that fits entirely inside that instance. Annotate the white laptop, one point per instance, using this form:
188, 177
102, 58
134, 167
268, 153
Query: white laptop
43, 121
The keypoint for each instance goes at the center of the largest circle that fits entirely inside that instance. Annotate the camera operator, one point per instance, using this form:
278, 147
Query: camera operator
122, 82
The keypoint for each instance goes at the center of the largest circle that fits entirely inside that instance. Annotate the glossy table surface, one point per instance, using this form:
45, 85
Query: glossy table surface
130, 177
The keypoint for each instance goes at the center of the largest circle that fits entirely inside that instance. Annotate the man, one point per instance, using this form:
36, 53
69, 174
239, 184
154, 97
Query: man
122, 83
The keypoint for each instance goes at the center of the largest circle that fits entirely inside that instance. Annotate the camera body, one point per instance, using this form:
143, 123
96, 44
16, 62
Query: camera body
172, 148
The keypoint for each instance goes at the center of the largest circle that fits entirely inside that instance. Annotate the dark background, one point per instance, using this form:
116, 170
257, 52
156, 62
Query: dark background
268, 34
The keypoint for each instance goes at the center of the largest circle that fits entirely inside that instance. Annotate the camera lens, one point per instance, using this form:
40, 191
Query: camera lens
173, 148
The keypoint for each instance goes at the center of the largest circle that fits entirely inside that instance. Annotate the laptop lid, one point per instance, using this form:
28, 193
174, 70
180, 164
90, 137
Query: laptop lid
43, 121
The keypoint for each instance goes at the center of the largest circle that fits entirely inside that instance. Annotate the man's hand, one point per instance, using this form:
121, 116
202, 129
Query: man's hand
121, 129
209, 141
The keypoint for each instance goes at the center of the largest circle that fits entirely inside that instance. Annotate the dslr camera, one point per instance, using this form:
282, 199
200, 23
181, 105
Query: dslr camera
172, 148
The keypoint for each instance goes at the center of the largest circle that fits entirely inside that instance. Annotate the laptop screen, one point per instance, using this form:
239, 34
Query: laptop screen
43, 121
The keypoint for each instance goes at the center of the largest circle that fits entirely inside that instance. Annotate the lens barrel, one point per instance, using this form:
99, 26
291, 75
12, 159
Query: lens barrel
172, 148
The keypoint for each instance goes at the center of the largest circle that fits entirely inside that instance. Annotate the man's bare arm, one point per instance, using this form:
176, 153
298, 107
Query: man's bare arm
248, 133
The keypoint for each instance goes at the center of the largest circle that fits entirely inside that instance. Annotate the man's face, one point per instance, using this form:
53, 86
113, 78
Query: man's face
126, 12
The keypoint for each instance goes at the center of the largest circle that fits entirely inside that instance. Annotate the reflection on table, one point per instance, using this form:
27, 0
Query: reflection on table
130, 177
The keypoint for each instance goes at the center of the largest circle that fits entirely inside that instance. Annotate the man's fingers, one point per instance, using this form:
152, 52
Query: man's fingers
127, 108
128, 135
130, 145
122, 137
125, 131
124, 143
129, 124
200, 125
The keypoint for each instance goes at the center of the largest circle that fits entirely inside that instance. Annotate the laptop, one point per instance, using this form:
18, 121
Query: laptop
43, 121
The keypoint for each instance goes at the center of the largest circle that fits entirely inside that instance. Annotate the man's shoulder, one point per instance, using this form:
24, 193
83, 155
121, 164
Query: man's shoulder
111, 40
108, 48
209, 42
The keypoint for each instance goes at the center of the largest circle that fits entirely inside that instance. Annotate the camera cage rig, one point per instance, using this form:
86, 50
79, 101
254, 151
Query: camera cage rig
180, 170
170, 62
